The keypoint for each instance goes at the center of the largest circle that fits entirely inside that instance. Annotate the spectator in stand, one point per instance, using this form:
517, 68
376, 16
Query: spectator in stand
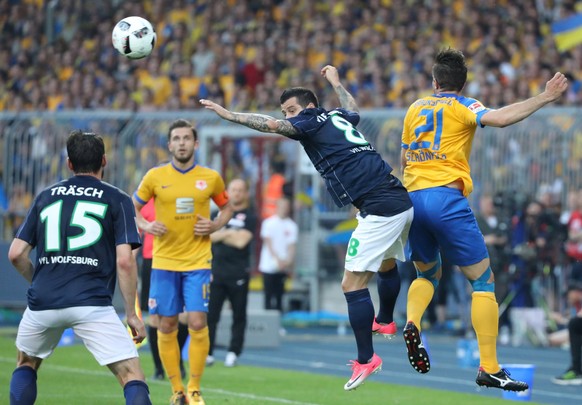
499, 37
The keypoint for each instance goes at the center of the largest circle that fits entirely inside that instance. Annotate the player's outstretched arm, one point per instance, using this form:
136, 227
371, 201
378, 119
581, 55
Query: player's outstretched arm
260, 122
345, 98
516, 112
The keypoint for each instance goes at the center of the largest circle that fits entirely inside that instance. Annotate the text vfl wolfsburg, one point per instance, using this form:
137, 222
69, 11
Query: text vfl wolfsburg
69, 259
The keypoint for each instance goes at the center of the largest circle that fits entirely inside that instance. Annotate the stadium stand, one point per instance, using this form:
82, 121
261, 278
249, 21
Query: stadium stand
58, 55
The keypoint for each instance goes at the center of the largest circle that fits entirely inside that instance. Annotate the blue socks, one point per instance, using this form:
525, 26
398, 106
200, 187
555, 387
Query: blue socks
23, 389
388, 289
136, 393
361, 314
23, 386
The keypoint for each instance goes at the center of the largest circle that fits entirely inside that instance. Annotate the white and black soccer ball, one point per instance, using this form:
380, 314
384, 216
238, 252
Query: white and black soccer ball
134, 37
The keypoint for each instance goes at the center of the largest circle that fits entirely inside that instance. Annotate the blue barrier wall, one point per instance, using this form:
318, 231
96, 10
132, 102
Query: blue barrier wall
12, 285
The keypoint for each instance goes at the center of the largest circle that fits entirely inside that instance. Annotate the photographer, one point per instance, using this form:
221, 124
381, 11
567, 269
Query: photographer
535, 242
495, 229
573, 375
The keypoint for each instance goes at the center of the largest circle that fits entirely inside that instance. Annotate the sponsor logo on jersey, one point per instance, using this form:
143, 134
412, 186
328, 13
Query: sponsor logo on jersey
476, 107
184, 205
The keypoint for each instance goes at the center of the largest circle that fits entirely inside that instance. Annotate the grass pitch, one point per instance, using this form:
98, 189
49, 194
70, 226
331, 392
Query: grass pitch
72, 376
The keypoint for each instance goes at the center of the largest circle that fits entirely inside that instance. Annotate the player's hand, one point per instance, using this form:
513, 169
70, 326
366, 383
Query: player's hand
137, 328
203, 226
156, 228
556, 86
218, 109
331, 74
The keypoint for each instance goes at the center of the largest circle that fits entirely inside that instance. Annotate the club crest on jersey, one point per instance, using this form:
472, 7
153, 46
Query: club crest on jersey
476, 107
152, 303
201, 184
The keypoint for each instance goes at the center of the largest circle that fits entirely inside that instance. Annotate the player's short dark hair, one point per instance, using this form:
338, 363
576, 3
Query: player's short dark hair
304, 96
450, 69
182, 123
85, 151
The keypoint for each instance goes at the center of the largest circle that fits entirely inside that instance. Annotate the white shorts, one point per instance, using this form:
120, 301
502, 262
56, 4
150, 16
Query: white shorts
376, 239
100, 328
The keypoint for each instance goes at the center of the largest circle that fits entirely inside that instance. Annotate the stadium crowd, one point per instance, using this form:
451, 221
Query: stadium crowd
58, 55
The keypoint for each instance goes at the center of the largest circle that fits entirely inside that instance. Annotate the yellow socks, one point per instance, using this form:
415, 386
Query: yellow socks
485, 318
420, 294
170, 355
197, 352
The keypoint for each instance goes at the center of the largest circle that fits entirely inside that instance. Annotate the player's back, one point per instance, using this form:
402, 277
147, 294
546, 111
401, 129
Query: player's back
348, 163
437, 137
75, 226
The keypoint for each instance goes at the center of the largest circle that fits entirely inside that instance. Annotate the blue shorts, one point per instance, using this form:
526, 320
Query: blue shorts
173, 292
444, 221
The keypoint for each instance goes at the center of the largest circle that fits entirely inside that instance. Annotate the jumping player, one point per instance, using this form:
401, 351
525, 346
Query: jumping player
436, 145
354, 173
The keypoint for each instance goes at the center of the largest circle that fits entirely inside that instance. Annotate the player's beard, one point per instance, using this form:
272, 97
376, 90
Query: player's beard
184, 159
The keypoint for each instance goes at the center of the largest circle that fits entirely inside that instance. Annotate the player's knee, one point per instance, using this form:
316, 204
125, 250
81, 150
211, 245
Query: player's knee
432, 274
482, 284
25, 360
354, 281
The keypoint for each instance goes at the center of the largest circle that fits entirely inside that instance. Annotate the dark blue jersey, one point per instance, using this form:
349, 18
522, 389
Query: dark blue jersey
75, 226
352, 169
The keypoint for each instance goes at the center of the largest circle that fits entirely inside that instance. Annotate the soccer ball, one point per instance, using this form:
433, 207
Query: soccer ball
134, 37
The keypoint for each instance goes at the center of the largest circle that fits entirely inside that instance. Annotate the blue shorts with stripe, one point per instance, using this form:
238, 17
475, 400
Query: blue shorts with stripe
443, 221
173, 292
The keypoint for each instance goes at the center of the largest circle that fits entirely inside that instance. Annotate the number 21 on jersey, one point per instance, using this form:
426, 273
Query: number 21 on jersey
428, 136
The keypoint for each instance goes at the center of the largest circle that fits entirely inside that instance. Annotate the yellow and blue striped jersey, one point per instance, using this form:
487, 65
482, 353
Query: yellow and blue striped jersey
437, 138
179, 196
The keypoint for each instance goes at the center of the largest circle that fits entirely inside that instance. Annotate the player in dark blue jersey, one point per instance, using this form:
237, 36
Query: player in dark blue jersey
84, 231
354, 173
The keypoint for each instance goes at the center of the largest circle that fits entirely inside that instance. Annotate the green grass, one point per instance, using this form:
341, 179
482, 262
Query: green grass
72, 376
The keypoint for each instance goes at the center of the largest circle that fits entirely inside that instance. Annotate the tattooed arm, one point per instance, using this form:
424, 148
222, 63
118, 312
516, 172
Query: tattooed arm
346, 99
260, 122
